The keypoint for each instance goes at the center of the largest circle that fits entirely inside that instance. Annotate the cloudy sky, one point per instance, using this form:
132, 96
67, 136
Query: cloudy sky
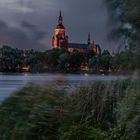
30, 23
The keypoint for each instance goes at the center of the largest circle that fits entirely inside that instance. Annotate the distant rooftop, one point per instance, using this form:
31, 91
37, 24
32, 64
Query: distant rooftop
78, 45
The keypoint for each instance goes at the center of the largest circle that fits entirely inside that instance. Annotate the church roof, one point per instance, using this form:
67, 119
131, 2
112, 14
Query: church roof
78, 46
60, 26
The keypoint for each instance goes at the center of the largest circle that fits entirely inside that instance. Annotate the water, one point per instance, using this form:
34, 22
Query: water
13, 82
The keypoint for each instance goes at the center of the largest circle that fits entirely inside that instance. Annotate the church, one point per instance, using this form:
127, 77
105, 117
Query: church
61, 40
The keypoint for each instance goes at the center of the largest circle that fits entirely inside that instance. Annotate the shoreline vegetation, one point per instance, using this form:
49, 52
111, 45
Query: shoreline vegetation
13, 60
101, 110
54, 60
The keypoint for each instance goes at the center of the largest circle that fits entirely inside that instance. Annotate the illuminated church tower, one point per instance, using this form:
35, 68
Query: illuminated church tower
60, 40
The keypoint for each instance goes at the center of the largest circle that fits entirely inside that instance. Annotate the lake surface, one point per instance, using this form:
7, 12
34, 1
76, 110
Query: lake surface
13, 82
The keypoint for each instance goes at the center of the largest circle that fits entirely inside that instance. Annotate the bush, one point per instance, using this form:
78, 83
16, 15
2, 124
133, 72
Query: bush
84, 132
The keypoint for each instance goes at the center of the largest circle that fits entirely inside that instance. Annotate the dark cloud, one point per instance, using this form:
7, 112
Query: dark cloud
31, 23
36, 33
28, 37
3, 25
11, 36
28, 25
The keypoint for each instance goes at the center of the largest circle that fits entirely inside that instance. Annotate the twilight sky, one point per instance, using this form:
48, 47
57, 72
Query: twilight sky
30, 23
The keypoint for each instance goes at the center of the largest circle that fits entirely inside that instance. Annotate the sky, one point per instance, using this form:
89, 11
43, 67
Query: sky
30, 24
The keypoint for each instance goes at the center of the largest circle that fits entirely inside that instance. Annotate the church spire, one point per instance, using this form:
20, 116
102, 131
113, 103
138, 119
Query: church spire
60, 20
89, 40
60, 13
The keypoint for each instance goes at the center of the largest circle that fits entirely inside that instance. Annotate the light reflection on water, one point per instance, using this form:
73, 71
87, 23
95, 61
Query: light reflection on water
12, 82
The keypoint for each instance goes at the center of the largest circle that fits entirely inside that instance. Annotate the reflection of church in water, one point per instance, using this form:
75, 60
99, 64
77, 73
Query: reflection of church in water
60, 40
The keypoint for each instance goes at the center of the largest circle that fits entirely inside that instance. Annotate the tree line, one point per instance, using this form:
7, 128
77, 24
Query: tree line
54, 60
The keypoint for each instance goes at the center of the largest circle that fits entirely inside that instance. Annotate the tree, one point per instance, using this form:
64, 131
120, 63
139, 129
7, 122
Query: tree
106, 59
63, 62
92, 62
75, 60
52, 57
10, 58
95, 63
126, 14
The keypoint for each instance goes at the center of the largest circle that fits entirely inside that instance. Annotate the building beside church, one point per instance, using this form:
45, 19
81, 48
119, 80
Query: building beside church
61, 40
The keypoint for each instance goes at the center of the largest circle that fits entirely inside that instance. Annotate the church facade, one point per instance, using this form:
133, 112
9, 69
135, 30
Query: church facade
61, 40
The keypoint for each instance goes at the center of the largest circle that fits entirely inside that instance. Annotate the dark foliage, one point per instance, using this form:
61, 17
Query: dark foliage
100, 111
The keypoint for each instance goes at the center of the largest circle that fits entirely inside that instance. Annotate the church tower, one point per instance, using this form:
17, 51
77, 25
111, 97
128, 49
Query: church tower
60, 40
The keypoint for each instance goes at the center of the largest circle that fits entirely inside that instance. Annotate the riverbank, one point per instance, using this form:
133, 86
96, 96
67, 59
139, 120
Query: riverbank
102, 110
